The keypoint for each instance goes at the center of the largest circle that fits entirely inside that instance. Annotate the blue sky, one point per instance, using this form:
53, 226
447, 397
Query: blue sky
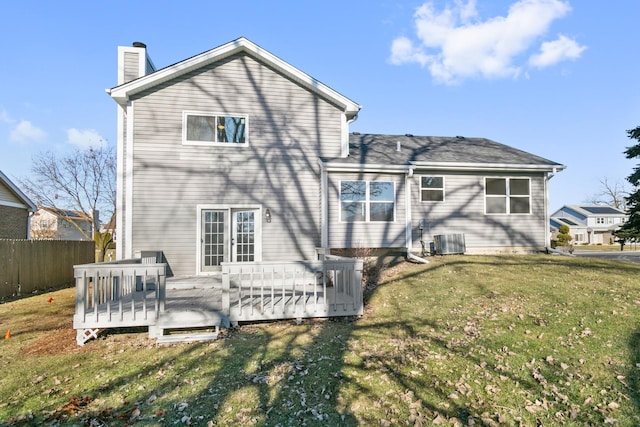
559, 79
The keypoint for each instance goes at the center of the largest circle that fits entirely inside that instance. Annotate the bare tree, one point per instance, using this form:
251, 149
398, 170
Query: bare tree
610, 194
83, 181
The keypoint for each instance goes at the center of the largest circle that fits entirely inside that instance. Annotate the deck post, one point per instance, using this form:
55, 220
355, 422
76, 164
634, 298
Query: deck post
226, 289
358, 291
161, 292
81, 295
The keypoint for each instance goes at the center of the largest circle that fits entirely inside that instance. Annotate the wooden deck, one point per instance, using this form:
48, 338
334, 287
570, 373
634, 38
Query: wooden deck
111, 295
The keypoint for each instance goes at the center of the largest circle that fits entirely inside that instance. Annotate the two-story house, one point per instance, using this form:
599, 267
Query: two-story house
589, 224
234, 155
60, 224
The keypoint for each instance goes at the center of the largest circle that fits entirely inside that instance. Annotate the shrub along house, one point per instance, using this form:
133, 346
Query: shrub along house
234, 158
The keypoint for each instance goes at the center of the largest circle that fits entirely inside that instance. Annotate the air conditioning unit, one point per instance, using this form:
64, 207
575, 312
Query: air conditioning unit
449, 244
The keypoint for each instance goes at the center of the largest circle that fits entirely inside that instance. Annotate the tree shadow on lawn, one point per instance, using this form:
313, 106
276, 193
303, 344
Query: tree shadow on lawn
311, 374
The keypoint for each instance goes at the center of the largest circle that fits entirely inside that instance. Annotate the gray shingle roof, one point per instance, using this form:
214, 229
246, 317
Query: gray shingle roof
383, 150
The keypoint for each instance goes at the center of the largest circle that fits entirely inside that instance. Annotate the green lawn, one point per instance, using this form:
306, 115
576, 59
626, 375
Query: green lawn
463, 340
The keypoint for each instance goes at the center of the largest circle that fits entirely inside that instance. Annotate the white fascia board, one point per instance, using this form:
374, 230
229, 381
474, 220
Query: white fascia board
342, 167
23, 197
123, 92
487, 167
471, 167
13, 204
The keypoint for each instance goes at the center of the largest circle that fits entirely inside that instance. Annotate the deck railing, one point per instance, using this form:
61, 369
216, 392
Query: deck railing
134, 292
122, 293
292, 290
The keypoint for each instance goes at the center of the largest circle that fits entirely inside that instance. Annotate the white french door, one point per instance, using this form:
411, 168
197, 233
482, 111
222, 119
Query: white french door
243, 242
228, 235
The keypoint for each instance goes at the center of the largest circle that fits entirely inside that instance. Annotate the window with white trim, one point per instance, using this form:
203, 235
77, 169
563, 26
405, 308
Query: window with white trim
367, 201
507, 196
432, 189
205, 128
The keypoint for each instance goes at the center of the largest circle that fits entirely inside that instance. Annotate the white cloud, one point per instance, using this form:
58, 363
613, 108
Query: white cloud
455, 44
556, 51
5, 117
25, 131
88, 138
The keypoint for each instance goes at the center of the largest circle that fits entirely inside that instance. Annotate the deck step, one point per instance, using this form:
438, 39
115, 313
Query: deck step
191, 319
185, 320
187, 337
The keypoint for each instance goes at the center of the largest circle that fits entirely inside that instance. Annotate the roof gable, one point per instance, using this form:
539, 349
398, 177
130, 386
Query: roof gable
17, 192
242, 45
585, 211
66, 214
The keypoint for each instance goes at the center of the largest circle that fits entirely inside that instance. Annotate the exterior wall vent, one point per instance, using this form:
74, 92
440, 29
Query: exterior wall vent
448, 244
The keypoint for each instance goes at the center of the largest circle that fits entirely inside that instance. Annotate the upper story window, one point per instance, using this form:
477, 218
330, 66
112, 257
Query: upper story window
206, 129
600, 220
432, 189
507, 196
367, 201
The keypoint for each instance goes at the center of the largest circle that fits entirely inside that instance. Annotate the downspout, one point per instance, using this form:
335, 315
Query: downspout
344, 150
408, 232
324, 205
547, 219
29, 215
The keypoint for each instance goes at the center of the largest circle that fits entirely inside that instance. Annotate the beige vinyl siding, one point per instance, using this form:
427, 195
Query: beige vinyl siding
131, 66
7, 195
366, 234
463, 212
288, 129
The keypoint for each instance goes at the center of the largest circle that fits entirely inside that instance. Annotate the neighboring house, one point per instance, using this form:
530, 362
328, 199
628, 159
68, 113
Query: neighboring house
15, 208
235, 155
60, 224
589, 224
110, 227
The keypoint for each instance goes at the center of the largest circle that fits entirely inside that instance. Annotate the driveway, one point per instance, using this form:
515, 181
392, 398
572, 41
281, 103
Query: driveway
626, 255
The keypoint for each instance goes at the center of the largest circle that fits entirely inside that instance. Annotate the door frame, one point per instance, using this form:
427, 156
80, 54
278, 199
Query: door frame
230, 209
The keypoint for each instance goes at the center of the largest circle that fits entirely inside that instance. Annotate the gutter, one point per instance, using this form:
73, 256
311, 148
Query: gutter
341, 167
487, 167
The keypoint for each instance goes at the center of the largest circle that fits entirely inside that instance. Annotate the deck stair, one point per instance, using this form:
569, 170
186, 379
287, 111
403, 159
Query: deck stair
191, 323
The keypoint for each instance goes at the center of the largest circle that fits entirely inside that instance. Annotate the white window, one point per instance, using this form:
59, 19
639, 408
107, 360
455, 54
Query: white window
599, 220
221, 129
367, 201
432, 189
507, 196
579, 237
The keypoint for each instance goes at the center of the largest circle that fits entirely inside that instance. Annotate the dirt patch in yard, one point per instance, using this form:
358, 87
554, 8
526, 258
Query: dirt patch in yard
58, 341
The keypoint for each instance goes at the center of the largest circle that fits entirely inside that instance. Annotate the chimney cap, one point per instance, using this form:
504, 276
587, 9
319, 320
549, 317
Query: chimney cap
139, 44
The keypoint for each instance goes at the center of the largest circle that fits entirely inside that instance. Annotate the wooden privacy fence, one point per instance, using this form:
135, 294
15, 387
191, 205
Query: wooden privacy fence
27, 266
